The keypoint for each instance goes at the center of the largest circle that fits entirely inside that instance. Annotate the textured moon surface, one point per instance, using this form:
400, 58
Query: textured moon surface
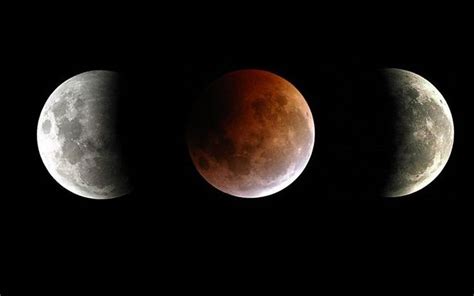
423, 133
77, 136
251, 134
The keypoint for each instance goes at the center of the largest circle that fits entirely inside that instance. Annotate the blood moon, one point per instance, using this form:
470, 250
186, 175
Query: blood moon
251, 134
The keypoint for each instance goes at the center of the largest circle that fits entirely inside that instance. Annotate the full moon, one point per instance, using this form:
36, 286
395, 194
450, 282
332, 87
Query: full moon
422, 133
78, 139
251, 134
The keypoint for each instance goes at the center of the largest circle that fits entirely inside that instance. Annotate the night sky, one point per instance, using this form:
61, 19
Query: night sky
326, 232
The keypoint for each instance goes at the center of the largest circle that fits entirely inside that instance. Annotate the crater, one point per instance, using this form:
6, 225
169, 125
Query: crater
70, 129
240, 165
412, 93
79, 104
100, 175
72, 152
60, 108
281, 100
203, 163
260, 108
46, 126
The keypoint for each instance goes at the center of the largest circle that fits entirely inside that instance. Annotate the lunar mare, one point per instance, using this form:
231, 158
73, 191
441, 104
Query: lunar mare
251, 134
77, 136
423, 133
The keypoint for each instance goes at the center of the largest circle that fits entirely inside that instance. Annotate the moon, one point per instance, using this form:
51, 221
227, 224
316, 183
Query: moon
78, 139
422, 133
251, 134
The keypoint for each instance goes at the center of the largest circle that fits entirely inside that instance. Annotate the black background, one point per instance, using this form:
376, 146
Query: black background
325, 233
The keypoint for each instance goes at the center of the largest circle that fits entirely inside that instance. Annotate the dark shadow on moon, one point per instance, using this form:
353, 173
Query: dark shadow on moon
127, 126
376, 151
354, 135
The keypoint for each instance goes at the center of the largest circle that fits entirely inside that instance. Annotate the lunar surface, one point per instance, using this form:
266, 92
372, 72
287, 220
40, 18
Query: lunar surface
251, 134
423, 133
77, 136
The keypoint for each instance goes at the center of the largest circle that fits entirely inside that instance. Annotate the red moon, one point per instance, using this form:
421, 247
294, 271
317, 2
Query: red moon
251, 134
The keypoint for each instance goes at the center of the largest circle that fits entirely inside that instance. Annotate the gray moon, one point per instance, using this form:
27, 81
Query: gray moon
77, 136
423, 133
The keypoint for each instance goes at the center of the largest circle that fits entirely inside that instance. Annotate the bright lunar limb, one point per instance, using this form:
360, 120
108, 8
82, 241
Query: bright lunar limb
77, 136
423, 133
251, 134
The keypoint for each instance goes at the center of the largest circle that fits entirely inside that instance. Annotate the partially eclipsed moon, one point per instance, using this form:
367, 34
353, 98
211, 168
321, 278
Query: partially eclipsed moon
77, 137
423, 133
251, 134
